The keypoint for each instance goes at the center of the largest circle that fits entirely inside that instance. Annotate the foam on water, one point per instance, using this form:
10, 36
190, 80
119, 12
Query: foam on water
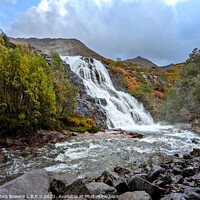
122, 110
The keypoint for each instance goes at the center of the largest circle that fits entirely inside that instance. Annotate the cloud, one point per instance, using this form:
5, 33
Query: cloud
113, 28
173, 2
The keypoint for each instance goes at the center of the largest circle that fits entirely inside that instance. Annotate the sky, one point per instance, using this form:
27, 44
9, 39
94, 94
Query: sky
163, 31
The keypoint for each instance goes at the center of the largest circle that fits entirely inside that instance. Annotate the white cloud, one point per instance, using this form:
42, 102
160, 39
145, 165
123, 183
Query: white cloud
173, 2
113, 28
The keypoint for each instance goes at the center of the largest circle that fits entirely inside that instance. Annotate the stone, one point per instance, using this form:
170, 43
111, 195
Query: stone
192, 193
195, 152
157, 171
187, 156
137, 183
137, 195
107, 178
177, 170
190, 171
122, 186
122, 170
35, 182
59, 182
174, 196
97, 188
77, 188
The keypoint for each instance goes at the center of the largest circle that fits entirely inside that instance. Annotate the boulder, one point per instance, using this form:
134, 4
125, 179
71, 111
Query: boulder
136, 183
35, 183
192, 193
77, 188
101, 189
60, 181
137, 195
122, 186
190, 171
174, 196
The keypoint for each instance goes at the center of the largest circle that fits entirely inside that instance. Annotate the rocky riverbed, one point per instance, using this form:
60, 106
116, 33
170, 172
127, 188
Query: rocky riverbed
175, 179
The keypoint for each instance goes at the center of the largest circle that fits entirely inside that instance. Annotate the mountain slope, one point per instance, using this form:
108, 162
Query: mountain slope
142, 62
64, 47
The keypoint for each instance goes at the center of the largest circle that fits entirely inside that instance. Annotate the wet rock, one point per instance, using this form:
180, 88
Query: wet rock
77, 188
137, 195
174, 196
195, 152
190, 171
96, 188
192, 193
107, 178
196, 177
122, 186
157, 170
177, 171
137, 183
187, 156
35, 182
176, 155
59, 182
122, 170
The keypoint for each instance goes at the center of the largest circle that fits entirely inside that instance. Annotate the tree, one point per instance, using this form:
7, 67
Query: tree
173, 106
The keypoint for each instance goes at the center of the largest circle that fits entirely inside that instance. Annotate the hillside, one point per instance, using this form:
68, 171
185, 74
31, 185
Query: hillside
70, 47
142, 62
166, 66
148, 85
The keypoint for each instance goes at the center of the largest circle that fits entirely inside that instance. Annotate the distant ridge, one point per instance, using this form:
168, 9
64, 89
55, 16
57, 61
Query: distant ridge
64, 47
167, 66
142, 62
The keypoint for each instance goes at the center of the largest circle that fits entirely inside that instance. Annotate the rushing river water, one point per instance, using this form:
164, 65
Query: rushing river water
90, 155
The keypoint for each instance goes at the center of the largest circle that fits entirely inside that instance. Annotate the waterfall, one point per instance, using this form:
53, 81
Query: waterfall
122, 110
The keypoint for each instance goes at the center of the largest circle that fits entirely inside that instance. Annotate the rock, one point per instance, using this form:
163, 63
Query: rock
195, 152
177, 171
192, 193
59, 182
176, 155
137, 195
190, 171
107, 178
74, 134
187, 156
174, 196
122, 186
77, 188
35, 182
137, 183
121, 170
157, 170
96, 188
196, 177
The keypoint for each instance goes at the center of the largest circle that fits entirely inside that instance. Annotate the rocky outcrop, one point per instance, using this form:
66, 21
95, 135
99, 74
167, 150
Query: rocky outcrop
87, 106
42, 137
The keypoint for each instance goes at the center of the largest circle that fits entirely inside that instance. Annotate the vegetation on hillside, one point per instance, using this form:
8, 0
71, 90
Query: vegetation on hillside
171, 94
148, 85
34, 94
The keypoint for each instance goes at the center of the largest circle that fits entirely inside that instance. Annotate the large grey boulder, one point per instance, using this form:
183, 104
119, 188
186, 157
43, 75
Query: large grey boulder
60, 181
137, 195
34, 183
102, 189
136, 183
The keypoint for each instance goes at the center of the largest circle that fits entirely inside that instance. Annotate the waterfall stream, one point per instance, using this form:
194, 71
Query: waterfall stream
90, 155
122, 110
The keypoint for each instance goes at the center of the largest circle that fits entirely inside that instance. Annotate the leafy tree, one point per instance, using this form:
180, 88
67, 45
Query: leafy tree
173, 106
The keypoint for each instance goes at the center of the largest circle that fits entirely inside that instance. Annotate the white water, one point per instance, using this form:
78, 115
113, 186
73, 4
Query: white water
122, 110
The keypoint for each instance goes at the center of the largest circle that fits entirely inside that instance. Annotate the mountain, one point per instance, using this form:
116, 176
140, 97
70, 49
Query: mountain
64, 47
167, 66
142, 62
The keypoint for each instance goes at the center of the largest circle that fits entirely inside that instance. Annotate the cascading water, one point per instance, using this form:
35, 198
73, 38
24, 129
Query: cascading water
122, 110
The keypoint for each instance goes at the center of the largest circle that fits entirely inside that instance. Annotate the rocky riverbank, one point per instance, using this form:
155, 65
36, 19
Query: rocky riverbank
175, 179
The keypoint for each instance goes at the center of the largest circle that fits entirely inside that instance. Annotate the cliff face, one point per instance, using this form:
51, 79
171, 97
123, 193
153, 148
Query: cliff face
65, 47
